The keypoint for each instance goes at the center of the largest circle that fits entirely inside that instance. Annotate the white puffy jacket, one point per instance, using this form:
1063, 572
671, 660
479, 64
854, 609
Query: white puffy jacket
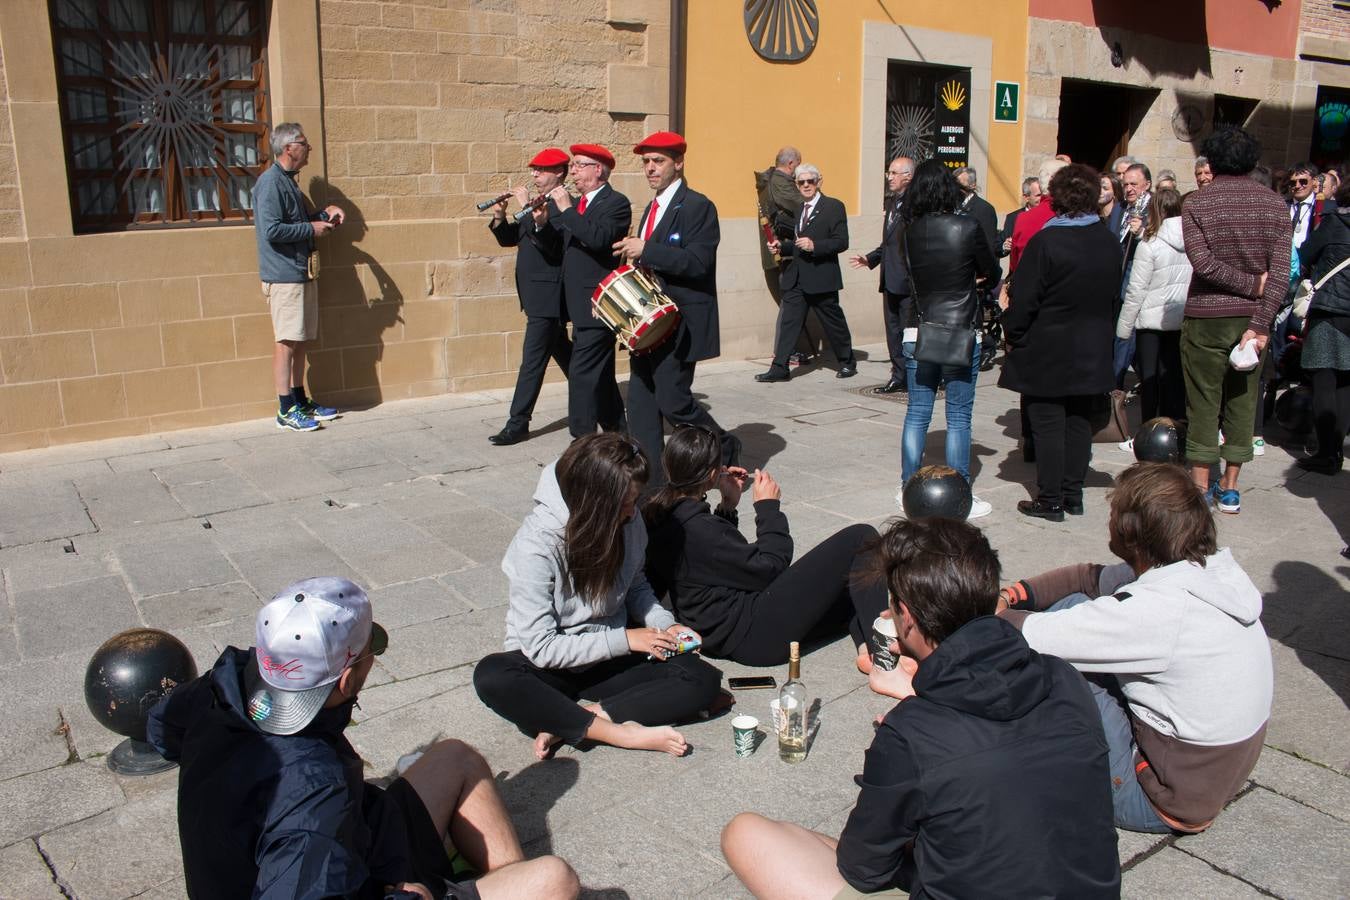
1156, 295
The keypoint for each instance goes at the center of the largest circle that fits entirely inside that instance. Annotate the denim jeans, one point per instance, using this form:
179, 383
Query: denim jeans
1133, 811
924, 379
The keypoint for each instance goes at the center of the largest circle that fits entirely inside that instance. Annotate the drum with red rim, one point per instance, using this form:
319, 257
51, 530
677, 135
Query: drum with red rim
635, 308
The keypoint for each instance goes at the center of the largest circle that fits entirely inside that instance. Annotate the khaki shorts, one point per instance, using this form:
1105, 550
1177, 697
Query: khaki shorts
849, 892
295, 310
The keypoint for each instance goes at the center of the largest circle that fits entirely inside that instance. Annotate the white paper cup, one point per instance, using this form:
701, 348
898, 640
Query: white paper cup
745, 734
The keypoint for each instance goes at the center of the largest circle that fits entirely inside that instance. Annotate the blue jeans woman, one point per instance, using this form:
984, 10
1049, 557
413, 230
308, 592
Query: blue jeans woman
924, 379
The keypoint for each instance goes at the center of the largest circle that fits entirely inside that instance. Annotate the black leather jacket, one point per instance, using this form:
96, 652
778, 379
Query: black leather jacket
1323, 251
946, 253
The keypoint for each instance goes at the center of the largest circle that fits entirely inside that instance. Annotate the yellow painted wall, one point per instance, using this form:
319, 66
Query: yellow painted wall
740, 108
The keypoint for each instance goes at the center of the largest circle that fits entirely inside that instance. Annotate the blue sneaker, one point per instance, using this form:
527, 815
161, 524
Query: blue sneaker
295, 419
1228, 501
319, 413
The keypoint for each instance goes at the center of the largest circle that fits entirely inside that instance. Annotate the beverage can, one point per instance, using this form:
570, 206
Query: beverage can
883, 633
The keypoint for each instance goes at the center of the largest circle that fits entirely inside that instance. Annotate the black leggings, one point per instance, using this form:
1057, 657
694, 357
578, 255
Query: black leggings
820, 592
1331, 410
1157, 358
631, 688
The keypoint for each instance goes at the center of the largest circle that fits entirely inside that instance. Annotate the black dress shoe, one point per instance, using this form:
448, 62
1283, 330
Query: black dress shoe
774, 374
893, 386
847, 370
508, 436
1321, 464
1051, 512
1073, 509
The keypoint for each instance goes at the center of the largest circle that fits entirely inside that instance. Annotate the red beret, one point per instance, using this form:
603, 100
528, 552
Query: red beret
595, 152
551, 156
662, 142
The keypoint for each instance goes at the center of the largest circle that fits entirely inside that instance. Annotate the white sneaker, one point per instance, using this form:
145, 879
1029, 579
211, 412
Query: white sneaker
1127, 446
900, 499
979, 508
1259, 446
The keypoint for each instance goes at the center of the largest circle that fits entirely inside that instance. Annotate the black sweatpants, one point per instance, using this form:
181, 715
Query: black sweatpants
1062, 427
1157, 359
630, 688
818, 594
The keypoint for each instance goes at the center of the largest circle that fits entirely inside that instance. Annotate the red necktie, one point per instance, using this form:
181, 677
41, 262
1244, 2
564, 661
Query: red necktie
651, 221
581, 206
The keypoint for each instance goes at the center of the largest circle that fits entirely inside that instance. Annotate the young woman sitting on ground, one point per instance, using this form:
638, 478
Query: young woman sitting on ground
749, 600
583, 623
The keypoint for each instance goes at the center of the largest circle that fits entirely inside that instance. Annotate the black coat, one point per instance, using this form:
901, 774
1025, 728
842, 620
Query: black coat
817, 272
1009, 223
1061, 321
711, 573
894, 277
264, 814
538, 265
982, 211
683, 252
1324, 249
588, 249
947, 252
996, 771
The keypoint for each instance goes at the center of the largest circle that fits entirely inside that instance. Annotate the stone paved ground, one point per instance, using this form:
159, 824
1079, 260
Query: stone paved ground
189, 531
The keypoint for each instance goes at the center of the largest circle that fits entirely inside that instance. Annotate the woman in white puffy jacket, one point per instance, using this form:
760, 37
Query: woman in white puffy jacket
1154, 301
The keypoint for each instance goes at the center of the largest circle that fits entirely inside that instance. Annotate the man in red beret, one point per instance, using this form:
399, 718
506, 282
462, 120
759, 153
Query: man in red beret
539, 286
677, 239
589, 227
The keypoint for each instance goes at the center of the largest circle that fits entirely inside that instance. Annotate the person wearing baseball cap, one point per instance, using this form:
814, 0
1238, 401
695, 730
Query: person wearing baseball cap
271, 800
589, 227
539, 286
677, 239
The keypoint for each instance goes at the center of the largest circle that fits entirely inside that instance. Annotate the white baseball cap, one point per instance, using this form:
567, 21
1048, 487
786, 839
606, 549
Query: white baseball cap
306, 637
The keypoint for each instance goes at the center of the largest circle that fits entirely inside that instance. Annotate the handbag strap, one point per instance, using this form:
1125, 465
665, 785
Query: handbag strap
1316, 287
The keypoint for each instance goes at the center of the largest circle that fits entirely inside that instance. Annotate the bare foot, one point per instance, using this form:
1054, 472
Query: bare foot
662, 738
545, 744
864, 661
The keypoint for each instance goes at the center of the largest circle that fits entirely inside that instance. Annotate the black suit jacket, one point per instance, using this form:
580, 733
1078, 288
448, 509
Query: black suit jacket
683, 252
1009, 223
588, 254
817, 272
538, 265
983, 212
894, 278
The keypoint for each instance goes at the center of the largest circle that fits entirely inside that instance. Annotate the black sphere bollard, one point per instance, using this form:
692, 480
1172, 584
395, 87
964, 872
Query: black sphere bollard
1158, 440
936, 491
126, 677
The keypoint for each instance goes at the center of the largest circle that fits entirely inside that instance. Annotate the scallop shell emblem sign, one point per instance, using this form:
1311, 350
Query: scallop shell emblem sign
782, 30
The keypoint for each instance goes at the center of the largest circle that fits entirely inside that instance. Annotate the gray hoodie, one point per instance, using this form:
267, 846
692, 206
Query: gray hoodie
546, 620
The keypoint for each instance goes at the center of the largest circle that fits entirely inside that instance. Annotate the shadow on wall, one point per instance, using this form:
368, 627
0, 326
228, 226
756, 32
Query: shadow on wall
1181, 23
358, 306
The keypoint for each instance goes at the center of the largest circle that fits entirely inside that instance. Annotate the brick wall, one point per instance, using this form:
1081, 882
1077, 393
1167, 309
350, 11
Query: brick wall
1322, 18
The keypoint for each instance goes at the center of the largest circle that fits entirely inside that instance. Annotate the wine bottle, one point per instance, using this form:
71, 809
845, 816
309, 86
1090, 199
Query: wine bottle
792, 704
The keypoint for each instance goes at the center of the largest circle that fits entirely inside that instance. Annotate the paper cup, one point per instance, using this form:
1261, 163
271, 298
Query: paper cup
883, 632
745, 733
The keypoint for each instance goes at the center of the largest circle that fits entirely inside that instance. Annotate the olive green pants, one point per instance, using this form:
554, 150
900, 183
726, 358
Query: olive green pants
1217, 395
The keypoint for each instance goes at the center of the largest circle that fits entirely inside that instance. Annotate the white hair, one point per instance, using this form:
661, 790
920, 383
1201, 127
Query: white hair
806, 169
283, 134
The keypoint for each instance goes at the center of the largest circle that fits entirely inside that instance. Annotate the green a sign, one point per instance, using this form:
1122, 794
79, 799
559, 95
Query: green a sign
1006, 95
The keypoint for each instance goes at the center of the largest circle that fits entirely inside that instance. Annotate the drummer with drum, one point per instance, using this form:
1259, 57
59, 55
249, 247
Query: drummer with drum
677, 242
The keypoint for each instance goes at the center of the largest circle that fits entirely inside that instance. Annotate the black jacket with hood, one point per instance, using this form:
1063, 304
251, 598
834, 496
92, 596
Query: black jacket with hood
992, 782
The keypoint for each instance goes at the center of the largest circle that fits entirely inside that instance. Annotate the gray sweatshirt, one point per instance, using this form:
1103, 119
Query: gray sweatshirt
549, 622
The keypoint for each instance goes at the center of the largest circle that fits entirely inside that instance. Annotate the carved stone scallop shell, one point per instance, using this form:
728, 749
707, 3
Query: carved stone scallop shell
782, 30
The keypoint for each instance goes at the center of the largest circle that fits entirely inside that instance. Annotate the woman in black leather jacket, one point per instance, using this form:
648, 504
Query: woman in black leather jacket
946, 253
1326, 348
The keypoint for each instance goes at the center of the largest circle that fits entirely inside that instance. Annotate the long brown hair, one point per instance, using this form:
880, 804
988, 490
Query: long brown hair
1164, 204
692, 460
595, 475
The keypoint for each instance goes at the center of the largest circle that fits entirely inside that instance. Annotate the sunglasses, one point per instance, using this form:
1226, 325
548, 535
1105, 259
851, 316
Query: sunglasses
808, 180
1299, 182
379, 642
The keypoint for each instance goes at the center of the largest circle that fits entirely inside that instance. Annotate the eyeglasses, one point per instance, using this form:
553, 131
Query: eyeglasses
301, 143
578, 165
808, 180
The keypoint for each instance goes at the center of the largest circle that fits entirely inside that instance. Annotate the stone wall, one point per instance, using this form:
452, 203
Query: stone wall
417, 109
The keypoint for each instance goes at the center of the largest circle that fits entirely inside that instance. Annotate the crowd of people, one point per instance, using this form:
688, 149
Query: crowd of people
1033, 716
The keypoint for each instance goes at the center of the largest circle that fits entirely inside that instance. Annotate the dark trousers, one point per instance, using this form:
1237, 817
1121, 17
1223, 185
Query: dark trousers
629, 688
792, 316
545, 338
660, 386
818, 594
897, 309
807, 342
592, 393
1062, 430
1162, 387
1330, 409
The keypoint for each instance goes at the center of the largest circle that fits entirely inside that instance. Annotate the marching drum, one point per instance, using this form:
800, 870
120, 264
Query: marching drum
635, 308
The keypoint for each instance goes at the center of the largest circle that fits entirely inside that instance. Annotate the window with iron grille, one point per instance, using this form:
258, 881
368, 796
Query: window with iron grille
163, 109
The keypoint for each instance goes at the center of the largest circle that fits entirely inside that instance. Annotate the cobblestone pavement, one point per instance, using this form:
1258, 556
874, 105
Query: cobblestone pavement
189, 531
